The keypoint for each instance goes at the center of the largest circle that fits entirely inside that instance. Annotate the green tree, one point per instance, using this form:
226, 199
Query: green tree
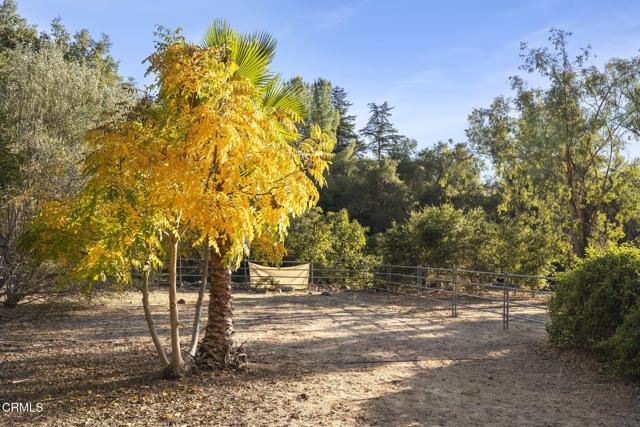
346, 132
318, 103
381, 136
82, 48
326, 238
447, 237
14, 30
47, 104
558, 151
403, 150
370, 190
441, 236
445, 173
321, 111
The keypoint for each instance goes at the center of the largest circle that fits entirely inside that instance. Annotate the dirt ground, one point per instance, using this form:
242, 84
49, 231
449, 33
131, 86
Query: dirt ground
340, 360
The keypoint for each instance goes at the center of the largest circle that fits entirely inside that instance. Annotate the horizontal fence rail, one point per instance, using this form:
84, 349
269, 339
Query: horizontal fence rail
511, 296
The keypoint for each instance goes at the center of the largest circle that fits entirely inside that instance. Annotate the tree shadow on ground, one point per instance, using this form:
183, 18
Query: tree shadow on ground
512, 389
420, 366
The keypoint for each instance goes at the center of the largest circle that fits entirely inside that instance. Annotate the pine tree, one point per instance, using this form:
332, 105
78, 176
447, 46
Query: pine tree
322, 112
382, 137
318, 104
346, 131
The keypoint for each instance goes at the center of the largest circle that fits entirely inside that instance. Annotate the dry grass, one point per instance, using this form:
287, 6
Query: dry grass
341, 360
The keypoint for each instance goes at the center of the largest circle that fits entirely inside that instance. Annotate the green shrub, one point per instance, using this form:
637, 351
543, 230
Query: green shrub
331, 240
624, 345
440, 236
447, 237
327, 238
596, 305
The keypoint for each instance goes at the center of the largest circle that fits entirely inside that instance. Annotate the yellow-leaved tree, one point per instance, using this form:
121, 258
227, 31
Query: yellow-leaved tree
214, 154
240, 167
114, 226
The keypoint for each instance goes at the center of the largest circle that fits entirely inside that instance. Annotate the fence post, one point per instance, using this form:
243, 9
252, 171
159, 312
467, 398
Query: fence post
388, 280
312, 285
419, 286
427, 283
245, 273
454, 307
505, 303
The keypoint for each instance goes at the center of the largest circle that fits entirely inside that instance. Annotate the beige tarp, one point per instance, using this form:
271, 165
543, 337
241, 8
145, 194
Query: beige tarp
296, 276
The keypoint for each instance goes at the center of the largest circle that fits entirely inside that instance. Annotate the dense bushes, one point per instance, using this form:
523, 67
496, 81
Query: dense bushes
597, 307
327, 238
439, 236
447, 237
331, 240
624, 345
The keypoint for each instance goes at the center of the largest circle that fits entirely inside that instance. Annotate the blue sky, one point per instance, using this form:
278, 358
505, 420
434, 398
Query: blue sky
434, 61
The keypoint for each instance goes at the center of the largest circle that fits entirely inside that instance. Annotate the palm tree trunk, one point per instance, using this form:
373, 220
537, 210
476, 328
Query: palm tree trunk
176, 369
147, 315
218, 349
195, 333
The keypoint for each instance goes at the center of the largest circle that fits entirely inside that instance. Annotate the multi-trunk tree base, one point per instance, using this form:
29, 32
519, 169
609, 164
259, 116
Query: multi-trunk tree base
172, 373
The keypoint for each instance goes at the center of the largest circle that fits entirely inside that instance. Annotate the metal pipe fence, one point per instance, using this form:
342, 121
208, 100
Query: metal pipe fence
511, 296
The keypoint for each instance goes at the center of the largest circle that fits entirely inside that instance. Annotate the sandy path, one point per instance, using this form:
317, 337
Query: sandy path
340, 360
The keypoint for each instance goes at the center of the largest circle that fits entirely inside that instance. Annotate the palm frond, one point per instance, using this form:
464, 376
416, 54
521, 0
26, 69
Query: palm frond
253, 59
253, 53
284, 97
219, 33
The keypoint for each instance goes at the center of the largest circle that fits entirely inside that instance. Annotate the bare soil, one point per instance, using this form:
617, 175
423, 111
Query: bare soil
340, 360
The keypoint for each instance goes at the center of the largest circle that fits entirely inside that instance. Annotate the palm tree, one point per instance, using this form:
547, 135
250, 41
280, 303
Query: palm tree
253, 54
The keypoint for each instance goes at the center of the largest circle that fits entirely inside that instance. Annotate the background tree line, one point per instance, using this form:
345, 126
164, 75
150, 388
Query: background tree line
541, 177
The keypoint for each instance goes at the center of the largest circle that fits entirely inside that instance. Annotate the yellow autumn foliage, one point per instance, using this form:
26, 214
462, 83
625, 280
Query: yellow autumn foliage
206, 156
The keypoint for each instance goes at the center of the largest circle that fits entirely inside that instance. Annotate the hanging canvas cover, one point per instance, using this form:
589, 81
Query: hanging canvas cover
296, 276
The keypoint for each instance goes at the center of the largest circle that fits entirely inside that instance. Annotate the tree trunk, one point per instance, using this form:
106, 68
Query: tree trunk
218, 349
176, 369
11, 300
195, 333
147, 315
